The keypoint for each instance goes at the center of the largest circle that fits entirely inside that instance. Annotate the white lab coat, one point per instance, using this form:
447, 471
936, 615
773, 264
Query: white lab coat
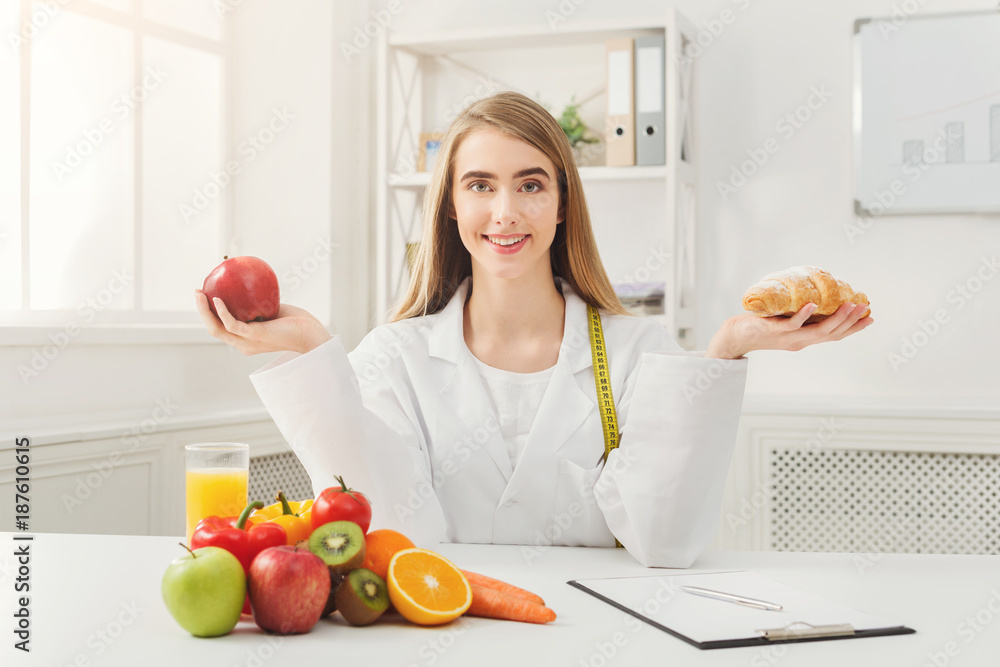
405, 418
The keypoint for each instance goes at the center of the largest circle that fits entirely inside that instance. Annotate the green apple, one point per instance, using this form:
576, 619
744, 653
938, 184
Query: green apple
204, 591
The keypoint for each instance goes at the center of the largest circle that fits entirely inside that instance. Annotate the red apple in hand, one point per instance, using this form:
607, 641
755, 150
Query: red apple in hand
289, 587
248, 287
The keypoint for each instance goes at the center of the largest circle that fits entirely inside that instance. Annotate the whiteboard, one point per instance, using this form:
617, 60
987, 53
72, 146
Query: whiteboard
927, 114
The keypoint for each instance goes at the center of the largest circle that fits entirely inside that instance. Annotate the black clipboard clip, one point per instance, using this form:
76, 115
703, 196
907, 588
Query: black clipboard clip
803, 630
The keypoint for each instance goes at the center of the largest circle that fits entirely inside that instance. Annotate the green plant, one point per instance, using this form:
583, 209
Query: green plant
573, 126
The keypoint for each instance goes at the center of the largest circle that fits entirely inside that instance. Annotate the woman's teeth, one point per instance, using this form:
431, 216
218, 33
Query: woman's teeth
506, 241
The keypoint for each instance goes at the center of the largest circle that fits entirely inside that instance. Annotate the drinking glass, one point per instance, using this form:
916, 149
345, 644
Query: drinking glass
216, 475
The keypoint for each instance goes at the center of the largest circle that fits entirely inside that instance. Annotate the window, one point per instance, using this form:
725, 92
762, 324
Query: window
113, 141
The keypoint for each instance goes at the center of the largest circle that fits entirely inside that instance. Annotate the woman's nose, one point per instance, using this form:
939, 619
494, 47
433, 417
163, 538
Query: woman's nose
504, 208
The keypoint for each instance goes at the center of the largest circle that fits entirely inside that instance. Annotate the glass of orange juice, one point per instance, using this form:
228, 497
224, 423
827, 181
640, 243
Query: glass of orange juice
216, 475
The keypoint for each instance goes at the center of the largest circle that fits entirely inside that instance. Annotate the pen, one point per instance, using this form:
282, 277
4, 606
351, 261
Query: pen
728, 597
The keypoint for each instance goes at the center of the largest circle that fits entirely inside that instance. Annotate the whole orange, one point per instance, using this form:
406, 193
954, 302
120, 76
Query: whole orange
380, 546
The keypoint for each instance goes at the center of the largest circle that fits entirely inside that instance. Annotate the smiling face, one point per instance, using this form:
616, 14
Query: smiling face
506, 202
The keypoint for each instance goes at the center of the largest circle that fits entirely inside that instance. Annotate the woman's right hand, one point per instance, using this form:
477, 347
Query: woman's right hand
293, 330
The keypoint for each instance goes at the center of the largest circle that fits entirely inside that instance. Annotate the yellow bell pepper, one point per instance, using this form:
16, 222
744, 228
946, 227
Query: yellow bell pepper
301, 507
294, 516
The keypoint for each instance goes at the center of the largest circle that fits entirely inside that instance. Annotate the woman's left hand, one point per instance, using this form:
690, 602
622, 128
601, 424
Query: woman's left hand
747, 332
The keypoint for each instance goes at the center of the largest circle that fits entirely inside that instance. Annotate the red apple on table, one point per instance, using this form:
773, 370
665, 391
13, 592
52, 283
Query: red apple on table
289, 587
248, 287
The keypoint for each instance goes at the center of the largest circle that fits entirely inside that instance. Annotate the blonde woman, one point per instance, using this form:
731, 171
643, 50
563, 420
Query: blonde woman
473, 416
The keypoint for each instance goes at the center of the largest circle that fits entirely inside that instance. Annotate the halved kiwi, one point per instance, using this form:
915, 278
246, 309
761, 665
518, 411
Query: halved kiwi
362, 597
340, 544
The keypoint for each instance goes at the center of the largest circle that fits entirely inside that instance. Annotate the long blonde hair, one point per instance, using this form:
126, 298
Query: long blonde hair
442, 261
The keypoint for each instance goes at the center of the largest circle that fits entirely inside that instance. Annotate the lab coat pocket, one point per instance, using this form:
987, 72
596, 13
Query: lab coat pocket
577, 520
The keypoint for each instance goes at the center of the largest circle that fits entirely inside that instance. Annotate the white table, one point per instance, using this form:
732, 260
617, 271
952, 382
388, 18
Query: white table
95, 600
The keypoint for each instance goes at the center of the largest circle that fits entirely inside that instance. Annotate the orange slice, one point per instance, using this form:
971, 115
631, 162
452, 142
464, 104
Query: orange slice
426, 588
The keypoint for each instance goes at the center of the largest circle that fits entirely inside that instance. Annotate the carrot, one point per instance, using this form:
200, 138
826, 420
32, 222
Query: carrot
501, 587
489, 603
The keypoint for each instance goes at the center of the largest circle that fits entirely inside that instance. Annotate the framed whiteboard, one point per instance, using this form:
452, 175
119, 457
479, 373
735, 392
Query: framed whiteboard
927, 114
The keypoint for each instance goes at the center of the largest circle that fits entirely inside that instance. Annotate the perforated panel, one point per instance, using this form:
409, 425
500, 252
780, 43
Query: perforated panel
884, 501
278, 472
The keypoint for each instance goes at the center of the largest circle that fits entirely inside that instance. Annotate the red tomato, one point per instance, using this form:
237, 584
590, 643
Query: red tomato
342, 504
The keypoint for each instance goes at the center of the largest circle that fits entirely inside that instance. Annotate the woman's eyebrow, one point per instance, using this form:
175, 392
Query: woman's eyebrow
531, 171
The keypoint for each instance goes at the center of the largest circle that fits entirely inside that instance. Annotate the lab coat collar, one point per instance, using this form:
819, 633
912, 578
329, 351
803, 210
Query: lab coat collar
564, 406
447, 338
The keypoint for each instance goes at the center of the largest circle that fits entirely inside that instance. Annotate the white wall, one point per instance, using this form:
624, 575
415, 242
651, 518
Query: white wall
795, 209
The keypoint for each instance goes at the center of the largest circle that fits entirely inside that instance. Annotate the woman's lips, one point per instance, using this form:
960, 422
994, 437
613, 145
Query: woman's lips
514, 242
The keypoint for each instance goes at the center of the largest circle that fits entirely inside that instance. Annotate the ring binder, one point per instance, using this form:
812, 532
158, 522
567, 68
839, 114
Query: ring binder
809, 631
619, 127
650, 119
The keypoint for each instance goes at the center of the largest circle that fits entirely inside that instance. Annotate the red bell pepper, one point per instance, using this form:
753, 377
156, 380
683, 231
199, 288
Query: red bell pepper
238, 535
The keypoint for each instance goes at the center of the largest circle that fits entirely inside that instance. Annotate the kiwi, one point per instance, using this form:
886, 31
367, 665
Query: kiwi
340, 544
331, 601
362, 597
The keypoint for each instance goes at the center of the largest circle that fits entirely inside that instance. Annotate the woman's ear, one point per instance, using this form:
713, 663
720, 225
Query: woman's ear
451, 211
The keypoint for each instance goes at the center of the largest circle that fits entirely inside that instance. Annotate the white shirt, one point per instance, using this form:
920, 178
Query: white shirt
515, 398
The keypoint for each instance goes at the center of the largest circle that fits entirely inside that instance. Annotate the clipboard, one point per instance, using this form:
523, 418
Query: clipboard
711, 624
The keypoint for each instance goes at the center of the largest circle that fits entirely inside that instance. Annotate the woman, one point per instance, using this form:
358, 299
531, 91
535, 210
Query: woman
472, 417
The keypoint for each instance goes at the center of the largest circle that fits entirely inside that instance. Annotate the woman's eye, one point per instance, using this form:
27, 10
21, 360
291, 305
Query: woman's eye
475, 187
535, 187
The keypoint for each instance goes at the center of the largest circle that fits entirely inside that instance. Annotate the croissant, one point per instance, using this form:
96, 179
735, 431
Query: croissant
785, 292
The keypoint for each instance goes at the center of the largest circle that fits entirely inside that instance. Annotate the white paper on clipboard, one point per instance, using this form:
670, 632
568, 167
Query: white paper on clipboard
704, 620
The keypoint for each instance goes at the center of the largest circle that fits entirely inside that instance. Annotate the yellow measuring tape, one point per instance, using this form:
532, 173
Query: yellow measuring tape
602, 379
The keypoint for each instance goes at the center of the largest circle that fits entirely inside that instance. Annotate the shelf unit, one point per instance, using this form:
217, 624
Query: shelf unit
644, 216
